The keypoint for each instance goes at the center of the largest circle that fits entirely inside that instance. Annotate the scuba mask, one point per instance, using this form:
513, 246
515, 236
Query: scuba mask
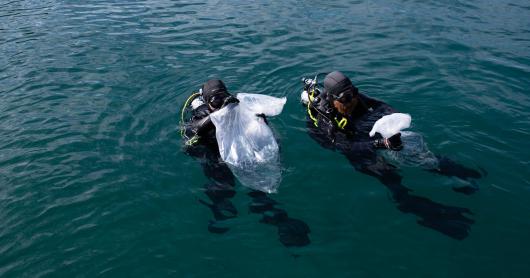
344, 97
214, 92
216, 101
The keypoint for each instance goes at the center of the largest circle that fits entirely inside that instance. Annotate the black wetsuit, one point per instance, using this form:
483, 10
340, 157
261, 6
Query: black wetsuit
353, 137
354, 142
220, 189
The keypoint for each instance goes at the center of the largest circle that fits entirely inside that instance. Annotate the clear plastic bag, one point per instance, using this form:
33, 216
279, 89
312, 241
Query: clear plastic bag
415, 152
246, 142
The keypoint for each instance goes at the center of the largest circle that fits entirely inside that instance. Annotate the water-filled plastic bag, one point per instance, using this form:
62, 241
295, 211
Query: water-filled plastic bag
246, 142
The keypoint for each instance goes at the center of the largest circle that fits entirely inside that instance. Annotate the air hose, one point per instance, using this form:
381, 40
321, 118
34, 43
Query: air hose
183, 111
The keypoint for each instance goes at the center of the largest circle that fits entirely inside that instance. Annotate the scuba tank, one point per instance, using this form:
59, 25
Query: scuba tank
310, 97
197, 101
309, 87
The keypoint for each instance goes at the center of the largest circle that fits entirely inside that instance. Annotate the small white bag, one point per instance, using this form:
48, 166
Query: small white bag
390, 125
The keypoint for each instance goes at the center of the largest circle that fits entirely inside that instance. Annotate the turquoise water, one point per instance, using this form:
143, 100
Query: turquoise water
94, 180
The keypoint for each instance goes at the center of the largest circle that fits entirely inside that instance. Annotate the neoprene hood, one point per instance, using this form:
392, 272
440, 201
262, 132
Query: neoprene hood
336, 83
213, 87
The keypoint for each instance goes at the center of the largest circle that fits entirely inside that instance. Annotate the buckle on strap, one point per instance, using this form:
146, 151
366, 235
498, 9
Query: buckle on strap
342, 123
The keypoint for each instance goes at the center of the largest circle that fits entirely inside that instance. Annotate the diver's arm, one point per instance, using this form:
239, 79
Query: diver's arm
202, 126
205, 124
329, 130
199, 125
393, 143
261, 115
359, 147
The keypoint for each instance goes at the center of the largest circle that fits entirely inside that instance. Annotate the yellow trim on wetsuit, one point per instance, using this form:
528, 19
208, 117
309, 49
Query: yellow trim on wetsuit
311, 97
342, 123
309, 103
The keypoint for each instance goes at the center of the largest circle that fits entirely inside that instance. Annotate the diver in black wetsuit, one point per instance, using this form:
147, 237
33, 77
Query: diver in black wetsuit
201, 143
340, 118
345, 115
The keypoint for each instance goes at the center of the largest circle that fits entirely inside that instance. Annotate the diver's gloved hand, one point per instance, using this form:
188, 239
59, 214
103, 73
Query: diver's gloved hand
230, 99
261, 115
393, 143
193, 140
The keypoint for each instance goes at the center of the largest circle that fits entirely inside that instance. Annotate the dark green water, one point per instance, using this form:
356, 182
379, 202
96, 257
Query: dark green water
94, 182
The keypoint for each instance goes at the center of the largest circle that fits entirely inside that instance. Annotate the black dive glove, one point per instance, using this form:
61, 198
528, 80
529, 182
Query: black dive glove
393, 143
228, 100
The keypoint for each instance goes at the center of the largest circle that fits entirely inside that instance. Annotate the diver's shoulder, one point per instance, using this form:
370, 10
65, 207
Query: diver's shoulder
370, 101
373, 104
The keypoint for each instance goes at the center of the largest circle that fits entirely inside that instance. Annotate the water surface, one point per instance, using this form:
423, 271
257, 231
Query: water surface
94, 182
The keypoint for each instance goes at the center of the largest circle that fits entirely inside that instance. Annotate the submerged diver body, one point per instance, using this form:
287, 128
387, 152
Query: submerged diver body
340, 118
201, 143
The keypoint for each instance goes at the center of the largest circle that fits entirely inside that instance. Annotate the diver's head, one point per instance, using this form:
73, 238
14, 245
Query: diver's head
341, 93
214, 93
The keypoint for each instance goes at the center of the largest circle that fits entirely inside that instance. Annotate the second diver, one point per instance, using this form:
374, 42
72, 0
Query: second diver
340, 118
